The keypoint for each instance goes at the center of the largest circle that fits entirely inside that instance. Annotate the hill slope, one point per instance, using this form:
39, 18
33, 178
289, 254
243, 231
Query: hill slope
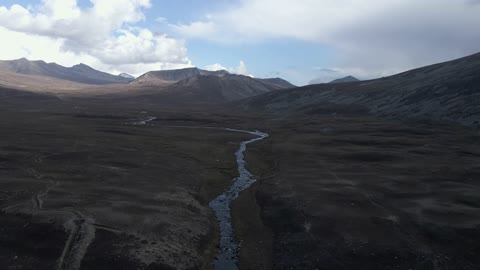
345, 79
208, 89
169, 76
79, 73
446, 91
278, 82
13, 98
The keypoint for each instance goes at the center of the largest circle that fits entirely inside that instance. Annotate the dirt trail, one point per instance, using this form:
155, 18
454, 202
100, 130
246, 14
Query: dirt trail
81, 229
82, 234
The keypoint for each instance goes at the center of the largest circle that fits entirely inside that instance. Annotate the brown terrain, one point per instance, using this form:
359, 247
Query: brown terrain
79, 73
140, 192
356, 175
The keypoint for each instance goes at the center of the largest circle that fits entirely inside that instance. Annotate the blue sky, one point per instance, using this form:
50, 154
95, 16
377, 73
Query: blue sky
273, 58
297, 40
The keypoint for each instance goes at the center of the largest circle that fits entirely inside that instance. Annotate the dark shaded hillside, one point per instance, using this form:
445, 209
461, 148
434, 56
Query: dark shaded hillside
79, 73
446, 91
201, 89
345, 79
19, 100
279, 82
175, 75
166, 77
13, 96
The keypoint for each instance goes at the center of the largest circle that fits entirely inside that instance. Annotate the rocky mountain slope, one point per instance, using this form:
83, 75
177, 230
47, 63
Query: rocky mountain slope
79, 73
445, 91
209, 89
36, 83
339, 80
166, 76
279, 82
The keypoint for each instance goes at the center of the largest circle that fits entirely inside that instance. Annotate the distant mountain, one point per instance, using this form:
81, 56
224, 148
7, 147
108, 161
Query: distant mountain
175, 75
210, 89
446, 91
341, 80
163, 77
79, 73
279, 82
127, 76
36, 83
345, 79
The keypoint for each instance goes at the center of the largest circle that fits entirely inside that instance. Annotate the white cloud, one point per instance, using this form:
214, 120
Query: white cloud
161, 19
241, 69
375, 37
141, 47
206, 29
103, 35
215, 67
16, 45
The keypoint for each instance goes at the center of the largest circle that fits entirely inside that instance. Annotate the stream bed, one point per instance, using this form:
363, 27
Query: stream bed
227, 255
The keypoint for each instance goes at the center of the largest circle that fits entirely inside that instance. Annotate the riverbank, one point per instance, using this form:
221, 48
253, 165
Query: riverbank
227, 255
146, 187
333, 191
354, 192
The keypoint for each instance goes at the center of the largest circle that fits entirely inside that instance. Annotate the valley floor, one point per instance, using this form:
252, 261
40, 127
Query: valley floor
357, 192
334, 192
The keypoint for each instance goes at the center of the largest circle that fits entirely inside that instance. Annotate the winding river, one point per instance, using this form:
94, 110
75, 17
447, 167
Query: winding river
82, 228
227, 256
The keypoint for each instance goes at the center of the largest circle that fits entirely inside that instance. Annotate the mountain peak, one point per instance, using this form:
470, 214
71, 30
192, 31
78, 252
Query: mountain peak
340, 80
82, 65
126, 75
176, 75
79, 73
345, 79
420, 93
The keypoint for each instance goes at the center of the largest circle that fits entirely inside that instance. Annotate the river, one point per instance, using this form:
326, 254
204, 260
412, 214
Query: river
227, 254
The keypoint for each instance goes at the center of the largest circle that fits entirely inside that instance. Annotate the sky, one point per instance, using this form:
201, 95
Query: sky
297, 40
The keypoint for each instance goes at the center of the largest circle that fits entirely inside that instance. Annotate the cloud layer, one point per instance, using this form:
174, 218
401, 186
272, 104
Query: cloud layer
241, 69
103, 35
370, 37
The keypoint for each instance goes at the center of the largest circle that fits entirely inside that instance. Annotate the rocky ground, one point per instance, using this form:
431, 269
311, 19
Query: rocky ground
335, 191
353, 191
129, 196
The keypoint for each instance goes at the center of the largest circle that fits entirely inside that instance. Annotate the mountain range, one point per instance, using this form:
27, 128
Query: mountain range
175, 86
212, 89
176, 75
446, 91
79, 73
173, 76
340, 80
344, 165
